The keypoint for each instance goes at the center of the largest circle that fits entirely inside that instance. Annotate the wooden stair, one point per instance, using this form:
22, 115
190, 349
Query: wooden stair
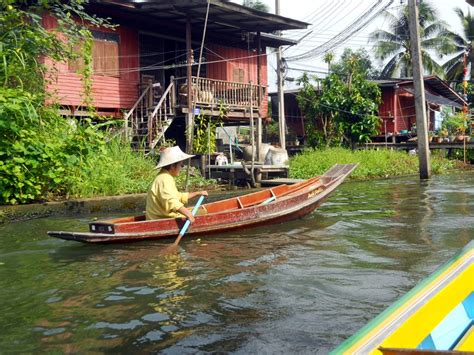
150, 117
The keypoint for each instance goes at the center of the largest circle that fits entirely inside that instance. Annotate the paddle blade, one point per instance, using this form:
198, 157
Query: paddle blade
188, 222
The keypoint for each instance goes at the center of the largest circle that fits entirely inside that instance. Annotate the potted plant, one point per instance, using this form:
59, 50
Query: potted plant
455, 124
443, 135
461, 130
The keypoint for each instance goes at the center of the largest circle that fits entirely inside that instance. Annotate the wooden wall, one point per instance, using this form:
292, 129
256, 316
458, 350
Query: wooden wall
387, 110
109, 92
229, 60
115, 92
398, 110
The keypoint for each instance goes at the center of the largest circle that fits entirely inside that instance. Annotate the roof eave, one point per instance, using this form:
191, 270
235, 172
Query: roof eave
250, 19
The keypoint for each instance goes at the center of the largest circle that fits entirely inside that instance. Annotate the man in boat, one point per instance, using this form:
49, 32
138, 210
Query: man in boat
163, 199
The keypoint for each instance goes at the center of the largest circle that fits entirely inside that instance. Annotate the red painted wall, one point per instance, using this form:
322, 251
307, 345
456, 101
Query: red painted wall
386, 110
227, 59
398, 110
406, 117
108, 92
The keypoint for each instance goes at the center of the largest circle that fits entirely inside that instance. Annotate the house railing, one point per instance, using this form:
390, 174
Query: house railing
146, 122
152, 114
213, 92
161, 117
137, 116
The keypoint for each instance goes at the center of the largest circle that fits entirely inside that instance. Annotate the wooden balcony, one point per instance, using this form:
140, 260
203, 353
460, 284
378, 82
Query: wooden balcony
211, 95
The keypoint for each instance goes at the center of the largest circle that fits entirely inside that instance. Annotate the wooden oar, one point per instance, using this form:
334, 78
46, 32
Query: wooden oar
188, 222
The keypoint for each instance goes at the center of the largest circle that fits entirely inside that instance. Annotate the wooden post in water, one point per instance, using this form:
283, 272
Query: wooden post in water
281, 93
421, 121
259, 84
252, 137
189, 73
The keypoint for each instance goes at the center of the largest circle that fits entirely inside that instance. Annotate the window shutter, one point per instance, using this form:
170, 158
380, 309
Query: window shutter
74, 66
105, 58
241, 75
235, 74
98, 57
238, 75
111, 59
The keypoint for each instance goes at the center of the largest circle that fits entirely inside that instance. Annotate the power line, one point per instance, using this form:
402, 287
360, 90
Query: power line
360, 115
173, 66
343, 36
340, 38
315, 14
317, 28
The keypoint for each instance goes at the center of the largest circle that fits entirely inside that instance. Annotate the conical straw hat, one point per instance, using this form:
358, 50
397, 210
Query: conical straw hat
172, 155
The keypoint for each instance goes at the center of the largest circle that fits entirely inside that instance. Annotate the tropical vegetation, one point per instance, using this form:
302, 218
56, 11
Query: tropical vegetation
256, 5
354, 60
344, 110
38, 147
394, 45
462, 47
42, 154
372, 163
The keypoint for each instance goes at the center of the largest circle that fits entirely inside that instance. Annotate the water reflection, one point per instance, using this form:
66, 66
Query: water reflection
302, 286
171, 296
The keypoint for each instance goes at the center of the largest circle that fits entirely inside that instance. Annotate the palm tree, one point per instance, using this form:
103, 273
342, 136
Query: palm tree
395, 43
463, 45
256, 5
328, 59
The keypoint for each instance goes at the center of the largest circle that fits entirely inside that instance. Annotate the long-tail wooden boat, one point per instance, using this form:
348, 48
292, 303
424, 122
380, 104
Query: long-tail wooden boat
437, 316
277, 204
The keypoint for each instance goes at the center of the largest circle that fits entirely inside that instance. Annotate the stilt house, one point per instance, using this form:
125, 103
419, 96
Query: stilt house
143, 67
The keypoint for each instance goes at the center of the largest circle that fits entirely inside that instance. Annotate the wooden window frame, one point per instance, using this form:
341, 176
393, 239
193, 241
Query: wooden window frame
238, 75
101, 66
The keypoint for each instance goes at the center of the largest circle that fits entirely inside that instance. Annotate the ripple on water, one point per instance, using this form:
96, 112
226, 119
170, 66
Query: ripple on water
298, 287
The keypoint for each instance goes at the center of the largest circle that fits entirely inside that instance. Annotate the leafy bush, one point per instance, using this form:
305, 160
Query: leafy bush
119, 170
340, 112
455, 123
39, 148
372, 163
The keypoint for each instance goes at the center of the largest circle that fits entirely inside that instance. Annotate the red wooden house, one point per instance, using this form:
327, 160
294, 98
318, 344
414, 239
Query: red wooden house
397, 109
143, 67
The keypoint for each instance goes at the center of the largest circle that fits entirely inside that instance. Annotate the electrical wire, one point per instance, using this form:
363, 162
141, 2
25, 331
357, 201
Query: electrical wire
173, 66
355, 114
357, 25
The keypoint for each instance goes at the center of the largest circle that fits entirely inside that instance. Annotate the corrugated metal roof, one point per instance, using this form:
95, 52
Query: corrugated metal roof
435, 99
225, 18
435, 83
440, 87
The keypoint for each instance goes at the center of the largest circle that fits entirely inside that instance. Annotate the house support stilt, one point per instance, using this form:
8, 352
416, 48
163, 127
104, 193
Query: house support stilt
190, 114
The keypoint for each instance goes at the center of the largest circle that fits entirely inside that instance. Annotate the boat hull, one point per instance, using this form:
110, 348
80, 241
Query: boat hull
300, 201
436, 316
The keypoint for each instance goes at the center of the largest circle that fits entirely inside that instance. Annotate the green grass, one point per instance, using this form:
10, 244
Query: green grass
118, 171
372, 163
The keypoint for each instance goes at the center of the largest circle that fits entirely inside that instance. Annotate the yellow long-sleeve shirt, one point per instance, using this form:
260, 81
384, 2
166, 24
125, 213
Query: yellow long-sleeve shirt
163, 199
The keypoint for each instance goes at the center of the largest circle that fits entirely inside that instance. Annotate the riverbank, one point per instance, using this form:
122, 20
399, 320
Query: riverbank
373, 164
133, 203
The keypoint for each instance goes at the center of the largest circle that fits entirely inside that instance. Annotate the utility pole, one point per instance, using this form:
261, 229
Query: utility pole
259, 96
281, 95
418, 83
189, 89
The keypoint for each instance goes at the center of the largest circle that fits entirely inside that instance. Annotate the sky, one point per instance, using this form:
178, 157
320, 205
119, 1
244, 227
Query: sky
329, 17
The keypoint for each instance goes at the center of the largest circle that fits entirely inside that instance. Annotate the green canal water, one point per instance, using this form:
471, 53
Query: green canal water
302, 286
